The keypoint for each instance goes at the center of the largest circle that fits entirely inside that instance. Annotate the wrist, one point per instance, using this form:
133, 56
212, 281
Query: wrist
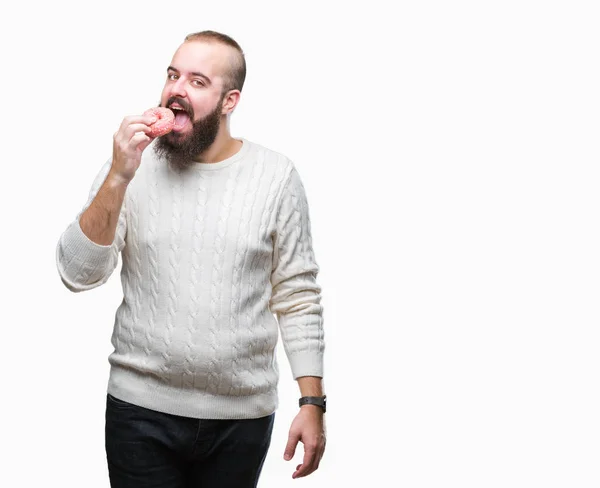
310, 386
116, 180
312, 402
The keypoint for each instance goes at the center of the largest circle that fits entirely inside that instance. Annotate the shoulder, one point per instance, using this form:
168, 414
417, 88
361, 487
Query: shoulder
273, 160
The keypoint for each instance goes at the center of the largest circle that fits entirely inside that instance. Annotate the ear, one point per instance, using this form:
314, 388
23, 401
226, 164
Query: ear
230, 101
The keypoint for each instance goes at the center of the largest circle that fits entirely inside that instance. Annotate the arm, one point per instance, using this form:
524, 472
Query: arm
296, 295
296, 299
87, 252
310, 386
99, 221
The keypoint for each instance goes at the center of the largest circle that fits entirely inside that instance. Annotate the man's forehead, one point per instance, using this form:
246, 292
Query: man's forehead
210, 58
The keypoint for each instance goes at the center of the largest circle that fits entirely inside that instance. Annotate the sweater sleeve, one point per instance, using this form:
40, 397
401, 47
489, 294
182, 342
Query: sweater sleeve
296, 295
83, 264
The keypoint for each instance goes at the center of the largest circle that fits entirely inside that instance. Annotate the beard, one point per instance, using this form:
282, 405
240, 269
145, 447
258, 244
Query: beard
180, 150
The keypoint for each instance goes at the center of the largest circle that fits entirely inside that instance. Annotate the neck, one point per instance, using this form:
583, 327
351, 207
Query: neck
222, 148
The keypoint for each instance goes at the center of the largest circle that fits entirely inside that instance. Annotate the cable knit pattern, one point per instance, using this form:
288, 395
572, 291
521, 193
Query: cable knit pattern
217, 326
217, 260
173, 271
258, 176
152, 262
134, 273
296, 294
190, 378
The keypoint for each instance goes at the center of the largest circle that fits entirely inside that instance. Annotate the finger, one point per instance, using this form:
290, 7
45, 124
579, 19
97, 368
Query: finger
290, 447
148, 119
307, 465
133, 129
318, 457
321, 449
123, 136
140, 139
137, 119
144, 144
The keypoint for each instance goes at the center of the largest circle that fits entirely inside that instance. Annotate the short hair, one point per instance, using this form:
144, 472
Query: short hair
236, 75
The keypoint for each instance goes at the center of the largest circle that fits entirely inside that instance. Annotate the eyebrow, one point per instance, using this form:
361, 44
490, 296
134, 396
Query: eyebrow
193, 73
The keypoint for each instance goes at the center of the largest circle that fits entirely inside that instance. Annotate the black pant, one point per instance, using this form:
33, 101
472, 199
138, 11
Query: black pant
149, 449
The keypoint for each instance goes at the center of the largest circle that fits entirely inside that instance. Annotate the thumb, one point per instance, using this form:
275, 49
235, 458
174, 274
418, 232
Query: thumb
290, 447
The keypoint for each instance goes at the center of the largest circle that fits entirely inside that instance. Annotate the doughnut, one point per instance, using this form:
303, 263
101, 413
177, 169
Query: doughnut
164, 121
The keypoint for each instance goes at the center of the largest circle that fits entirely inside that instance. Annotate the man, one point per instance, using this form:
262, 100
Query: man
215, 239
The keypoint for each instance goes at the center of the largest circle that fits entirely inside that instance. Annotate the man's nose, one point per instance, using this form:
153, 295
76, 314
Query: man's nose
178, 89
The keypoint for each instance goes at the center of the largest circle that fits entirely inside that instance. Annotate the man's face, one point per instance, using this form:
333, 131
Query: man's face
194, 91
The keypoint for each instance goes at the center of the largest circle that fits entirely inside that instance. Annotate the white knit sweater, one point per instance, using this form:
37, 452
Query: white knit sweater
216, 260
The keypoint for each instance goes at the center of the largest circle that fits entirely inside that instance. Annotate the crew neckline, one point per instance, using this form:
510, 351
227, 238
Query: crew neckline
226, 162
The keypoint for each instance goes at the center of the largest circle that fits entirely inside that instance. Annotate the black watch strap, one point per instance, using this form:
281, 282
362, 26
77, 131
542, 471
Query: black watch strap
320, 401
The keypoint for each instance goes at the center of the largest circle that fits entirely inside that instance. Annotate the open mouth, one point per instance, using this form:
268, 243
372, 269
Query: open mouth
181, 118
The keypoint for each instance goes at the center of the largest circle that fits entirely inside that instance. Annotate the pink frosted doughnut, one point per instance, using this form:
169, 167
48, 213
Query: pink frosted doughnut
164, 121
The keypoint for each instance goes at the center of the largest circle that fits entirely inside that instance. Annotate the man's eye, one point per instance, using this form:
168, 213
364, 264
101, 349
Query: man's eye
197, 83
172, 77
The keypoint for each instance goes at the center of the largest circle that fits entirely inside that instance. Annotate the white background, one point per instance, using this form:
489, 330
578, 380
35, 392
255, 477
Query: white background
449, 151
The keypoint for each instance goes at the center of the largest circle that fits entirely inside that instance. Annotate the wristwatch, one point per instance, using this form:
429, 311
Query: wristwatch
320, 401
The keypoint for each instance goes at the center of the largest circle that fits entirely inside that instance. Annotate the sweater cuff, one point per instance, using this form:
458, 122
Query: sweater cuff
306, 363
81, 248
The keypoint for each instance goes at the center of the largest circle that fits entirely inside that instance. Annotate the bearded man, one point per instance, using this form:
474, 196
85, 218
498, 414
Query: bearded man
215, 238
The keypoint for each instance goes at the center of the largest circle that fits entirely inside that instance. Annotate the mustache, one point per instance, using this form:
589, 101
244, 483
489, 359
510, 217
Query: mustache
184, 105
